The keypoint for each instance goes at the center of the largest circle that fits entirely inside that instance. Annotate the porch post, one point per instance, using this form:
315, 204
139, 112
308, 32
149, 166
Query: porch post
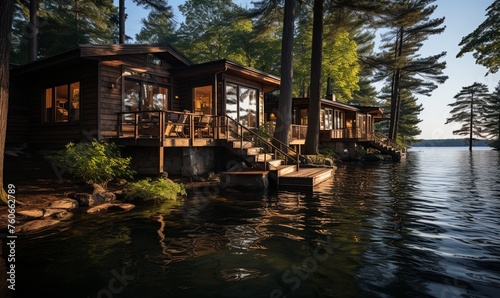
161, 151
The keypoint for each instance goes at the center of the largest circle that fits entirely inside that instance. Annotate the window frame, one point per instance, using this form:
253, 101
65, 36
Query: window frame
259, 102
73, 105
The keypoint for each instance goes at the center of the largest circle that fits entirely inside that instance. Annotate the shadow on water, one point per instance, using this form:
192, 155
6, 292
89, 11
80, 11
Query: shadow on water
424, 227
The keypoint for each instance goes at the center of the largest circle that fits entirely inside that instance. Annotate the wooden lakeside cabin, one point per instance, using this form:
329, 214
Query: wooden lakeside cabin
342, 126
166, 112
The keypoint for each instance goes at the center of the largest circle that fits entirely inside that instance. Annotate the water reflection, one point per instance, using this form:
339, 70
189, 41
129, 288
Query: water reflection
425, 227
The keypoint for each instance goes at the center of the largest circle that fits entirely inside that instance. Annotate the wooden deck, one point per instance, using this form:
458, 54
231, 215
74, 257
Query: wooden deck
307, 177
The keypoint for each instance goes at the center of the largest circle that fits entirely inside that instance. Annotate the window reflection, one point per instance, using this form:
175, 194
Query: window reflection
143, 96
241, 104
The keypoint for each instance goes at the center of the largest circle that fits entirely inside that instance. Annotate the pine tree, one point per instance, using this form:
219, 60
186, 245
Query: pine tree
491, 116
63, 24
158, 27
468, 111
410, 25
484, 42
203, 35
6, 15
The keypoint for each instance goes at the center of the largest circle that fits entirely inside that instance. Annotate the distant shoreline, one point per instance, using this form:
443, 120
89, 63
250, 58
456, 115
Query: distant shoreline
450, 143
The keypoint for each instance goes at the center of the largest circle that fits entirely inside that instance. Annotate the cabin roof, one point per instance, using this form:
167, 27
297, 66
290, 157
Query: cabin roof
101, 52
269, 81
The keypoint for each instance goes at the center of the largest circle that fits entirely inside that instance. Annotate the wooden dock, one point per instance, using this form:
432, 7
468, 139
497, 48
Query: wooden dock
308, 177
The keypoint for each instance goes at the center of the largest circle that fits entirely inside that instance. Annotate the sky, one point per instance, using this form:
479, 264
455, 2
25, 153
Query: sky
461, 18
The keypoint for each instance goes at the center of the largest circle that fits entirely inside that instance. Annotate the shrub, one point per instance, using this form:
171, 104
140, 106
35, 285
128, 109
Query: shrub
157, 190
94, 162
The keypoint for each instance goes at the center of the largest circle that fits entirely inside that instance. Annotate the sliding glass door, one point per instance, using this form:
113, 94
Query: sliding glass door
242, 104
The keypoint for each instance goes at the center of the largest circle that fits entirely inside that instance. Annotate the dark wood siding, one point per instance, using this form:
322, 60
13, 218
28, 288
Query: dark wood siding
185, 87
17, 119
28, 91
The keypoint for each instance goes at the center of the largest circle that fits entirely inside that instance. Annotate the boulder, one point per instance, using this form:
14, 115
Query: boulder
57, 213
111, 207
100, 195
97, 189
83, 199
103, 197
68, 204
35, 225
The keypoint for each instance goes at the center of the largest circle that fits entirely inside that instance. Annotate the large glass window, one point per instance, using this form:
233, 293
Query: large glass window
144, 96
202, 98
242, 104
62, 103
326, 122
338, 120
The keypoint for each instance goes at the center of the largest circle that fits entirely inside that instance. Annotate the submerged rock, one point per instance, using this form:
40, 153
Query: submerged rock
36, 225
33, 213
68, 204
111, 207
60, 214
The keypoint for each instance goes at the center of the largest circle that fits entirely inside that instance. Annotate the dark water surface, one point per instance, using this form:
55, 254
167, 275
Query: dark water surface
426, 227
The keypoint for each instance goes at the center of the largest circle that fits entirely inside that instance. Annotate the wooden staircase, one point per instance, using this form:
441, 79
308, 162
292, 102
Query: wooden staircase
265, 161
387, 146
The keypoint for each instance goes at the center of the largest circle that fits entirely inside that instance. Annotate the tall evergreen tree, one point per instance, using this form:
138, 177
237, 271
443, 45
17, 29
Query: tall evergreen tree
6, 15
369, 7
284, 119
63, 25
311, 145
492, 117
467, 110
160, 6
203, 35
269, 15
410, 25
158, 27
484, 42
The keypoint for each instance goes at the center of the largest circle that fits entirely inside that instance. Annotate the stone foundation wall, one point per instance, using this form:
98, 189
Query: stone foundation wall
191, 161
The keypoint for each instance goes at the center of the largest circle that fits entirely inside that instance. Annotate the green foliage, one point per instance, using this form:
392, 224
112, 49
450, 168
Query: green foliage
157, 190
94, 162
467, 110
158, 28
484, 42
495, 144
491, 114
67, 21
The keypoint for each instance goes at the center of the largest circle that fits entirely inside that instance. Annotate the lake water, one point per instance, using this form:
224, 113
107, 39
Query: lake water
426, 227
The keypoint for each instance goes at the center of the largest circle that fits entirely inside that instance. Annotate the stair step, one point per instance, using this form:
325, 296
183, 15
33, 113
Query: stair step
253, 150
261, 157
285, 169
273, 163
241, 144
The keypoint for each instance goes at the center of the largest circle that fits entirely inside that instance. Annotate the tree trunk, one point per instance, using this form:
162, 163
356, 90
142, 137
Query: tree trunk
471, 119
284, 117
6, 12
33, 38
313, 114
395, 94
121, 20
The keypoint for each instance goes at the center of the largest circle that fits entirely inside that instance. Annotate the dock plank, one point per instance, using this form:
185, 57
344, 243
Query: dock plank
306, 177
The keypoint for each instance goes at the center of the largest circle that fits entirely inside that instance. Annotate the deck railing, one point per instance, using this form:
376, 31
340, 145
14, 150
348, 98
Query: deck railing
229, 129
161, 124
